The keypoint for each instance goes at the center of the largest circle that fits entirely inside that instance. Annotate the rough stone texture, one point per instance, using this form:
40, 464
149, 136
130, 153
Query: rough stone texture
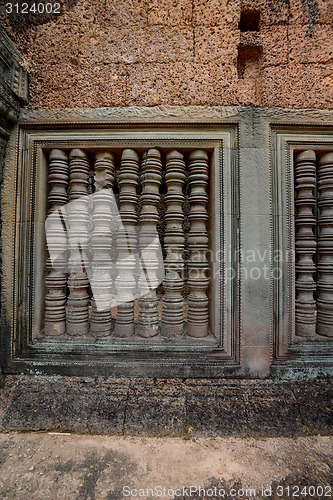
166, 407
123, 53
155, 407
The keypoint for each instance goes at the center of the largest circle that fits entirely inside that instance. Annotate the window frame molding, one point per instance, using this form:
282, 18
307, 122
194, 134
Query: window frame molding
25, 152
288, 349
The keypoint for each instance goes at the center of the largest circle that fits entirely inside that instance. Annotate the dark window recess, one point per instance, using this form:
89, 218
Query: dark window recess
249, 21
249, 62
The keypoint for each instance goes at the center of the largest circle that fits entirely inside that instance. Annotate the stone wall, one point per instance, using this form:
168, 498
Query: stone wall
188, 52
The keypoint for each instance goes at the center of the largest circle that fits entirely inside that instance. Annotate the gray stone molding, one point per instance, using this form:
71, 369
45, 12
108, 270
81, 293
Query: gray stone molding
289, 348
26, 283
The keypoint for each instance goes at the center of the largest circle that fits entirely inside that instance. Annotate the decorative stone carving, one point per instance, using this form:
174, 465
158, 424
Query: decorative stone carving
149, 243
173, 302
197, 320
305, 243
325, 246
77, 311
127, 243
56, 282
101, 244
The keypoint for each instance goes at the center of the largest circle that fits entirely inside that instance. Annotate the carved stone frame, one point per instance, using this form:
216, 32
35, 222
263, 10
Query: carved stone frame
290, 350
26, 202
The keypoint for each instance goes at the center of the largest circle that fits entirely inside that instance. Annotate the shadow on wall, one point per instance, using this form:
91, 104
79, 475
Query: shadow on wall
22, 22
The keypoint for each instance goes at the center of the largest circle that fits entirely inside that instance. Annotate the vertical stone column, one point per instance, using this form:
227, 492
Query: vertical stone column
148, 243
325, 246
305, 243
197, 321
101, 245
127, 243
77, 312
56, 282
173, 302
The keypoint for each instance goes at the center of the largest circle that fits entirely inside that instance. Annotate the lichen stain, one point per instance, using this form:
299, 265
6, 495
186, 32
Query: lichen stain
311, 12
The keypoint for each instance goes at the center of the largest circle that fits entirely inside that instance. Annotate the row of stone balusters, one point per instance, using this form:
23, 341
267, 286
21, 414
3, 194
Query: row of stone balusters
73, 316
314, 253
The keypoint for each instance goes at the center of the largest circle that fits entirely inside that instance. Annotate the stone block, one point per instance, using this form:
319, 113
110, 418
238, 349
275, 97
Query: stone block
123, 13
95, 405
155, 408
214, 410
48, 40
35, 404
275, 45
297, 86
180, 84
216, 12
272, 410
315, 400
305, 49
216, 44
170, 12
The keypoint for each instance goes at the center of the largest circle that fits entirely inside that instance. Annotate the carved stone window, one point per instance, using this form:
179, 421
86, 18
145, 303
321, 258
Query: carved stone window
314, 243
124, 238
303, 243
105, 249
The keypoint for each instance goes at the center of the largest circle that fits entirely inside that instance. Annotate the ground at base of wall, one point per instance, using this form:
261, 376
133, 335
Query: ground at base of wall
166, 407
73, 466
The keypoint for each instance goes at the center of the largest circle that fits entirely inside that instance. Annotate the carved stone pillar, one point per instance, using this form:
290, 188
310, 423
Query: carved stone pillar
325, 246
197, 321
149, 243
101, 245
56, 282
127, 243
77, 311
305, 243
173, 302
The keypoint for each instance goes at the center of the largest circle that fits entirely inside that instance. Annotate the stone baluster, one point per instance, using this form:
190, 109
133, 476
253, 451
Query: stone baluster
149, 243
55, 301
305, 243
173, 302
325, 246
197, 321
127, 243
77, 312
101, 245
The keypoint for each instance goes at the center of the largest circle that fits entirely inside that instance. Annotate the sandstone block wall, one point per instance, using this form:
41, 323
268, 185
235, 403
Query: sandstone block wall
178, 52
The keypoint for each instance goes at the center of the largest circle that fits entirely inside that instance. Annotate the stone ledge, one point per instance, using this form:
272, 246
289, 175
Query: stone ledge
160, 407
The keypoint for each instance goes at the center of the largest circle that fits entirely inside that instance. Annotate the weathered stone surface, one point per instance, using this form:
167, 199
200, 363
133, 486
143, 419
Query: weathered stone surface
216, 12
216, 410
272, 410
274, 42
57, 403
315, 405
314, 49
168, 52
216, 45
287, 83
181, 84
155, 408
166, 407
96, 406
13, 94
35, 404
170, 12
